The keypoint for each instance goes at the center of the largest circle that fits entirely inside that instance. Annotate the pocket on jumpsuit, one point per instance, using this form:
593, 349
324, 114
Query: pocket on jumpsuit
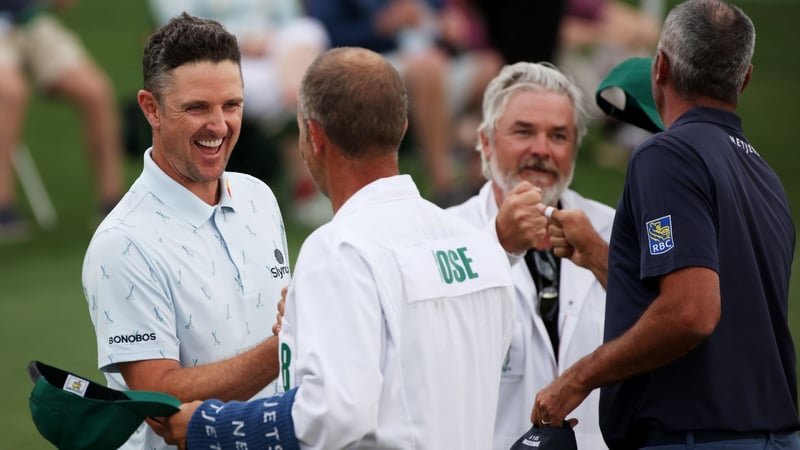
514, 364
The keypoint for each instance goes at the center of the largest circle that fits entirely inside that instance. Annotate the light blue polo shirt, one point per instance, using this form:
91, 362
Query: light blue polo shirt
168, 276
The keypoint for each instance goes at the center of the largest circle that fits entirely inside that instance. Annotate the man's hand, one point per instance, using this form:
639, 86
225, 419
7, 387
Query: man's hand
520, 223
573, 236
279, 317
556, 400
173, 428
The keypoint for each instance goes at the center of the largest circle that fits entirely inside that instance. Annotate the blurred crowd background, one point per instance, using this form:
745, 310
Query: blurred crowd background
72, 140
446, 50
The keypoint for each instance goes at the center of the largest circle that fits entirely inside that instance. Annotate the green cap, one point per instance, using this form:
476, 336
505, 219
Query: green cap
632, 76
75, 413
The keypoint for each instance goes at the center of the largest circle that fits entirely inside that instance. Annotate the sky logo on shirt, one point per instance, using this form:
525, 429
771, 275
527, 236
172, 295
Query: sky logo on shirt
281, 269
659, 235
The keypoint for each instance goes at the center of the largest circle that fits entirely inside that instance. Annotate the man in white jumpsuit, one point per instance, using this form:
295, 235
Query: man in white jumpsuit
399, 314
532, 125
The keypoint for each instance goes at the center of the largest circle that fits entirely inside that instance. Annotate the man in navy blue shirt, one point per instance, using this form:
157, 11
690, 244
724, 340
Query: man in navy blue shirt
698, 352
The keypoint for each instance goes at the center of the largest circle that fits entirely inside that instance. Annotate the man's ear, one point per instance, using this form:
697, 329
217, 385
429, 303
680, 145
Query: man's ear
747, 78
487, 152
149, 106
318, 136
661, 67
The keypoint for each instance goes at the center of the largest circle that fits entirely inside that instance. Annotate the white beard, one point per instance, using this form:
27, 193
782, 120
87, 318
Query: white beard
550, 194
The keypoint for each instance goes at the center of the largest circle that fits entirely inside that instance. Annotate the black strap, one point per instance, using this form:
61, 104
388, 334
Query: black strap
545, 269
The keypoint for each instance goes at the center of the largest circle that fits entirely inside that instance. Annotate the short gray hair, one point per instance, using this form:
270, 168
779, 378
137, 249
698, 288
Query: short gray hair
710, 46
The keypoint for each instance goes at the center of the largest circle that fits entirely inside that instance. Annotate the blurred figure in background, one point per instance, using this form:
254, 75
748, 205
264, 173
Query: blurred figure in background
519, 31
523, 30
430, 43
611, 23
278, 42
595, 36
33, 41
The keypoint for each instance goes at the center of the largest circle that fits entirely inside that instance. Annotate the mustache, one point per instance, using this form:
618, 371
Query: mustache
537, 163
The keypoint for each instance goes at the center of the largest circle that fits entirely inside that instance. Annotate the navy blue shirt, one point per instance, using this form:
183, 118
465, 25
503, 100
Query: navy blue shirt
699, 194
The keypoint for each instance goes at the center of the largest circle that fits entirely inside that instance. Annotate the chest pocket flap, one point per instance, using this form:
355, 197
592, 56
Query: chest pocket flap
452, 267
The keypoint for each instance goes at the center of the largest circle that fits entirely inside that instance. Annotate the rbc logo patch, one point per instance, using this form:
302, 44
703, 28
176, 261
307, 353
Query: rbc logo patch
659, 235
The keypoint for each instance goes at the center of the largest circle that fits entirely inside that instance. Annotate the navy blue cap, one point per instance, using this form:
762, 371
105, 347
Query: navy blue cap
547, 438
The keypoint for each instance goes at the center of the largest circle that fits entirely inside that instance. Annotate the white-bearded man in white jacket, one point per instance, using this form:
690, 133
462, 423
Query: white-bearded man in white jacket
533, 122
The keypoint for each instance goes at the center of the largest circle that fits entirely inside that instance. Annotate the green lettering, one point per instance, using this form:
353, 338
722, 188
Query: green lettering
459, 272
286, 360
463, 252
444, 267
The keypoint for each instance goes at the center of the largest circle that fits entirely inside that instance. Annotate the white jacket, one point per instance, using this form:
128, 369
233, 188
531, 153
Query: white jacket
397, 320
530, 364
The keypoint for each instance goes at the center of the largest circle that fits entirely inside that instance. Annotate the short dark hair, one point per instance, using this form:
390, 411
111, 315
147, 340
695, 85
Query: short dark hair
185, 39
710, 46
359, 100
